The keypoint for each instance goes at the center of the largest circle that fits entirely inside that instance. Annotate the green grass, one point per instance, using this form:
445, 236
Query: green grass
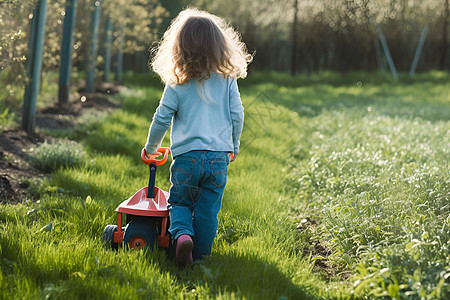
51, 156
357, 169
379, 186
371, 175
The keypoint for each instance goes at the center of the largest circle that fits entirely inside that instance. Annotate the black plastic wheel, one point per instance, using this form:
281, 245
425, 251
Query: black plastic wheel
140, 234
108, 237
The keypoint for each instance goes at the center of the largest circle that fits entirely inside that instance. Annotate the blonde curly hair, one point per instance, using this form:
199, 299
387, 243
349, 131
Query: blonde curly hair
196, 44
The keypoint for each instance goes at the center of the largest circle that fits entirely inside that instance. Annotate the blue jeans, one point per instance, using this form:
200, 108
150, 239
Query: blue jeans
198, 180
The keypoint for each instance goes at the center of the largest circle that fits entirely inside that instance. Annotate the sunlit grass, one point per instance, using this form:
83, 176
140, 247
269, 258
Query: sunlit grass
113, 171
374, 175
359, 168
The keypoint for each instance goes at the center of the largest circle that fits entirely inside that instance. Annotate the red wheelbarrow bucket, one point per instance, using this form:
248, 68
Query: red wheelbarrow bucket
146, 214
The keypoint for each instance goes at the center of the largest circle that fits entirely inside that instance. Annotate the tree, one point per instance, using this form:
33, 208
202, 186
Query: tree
140, 20
13, 43
333, 34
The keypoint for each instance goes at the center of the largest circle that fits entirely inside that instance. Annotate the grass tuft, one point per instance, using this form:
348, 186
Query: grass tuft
50, 156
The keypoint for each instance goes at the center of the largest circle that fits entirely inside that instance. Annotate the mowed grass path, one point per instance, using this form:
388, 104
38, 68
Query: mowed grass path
277, 202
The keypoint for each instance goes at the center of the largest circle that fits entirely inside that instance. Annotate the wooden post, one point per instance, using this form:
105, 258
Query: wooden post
92, 59
34, 65
387, 53
108, 45
418, 51
66, 51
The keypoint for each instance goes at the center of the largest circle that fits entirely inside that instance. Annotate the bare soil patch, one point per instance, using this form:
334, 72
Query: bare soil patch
14, 148
319, 250
15, 143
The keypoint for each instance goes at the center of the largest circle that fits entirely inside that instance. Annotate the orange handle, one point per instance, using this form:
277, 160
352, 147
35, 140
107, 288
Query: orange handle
157, 162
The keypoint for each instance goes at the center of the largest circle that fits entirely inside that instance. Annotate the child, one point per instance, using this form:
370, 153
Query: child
199, 59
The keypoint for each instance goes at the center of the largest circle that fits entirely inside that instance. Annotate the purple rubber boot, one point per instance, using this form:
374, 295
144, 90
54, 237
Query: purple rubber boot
183, 256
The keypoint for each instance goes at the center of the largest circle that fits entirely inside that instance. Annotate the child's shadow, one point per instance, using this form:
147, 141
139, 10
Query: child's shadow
247, 276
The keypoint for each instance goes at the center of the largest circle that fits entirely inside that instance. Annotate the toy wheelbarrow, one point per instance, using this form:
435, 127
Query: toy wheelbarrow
146, 215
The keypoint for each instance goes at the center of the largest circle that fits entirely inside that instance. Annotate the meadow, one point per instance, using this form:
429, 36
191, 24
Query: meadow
340, 192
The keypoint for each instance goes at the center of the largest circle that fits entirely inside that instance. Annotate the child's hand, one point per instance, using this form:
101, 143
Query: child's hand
232, 156
152, 156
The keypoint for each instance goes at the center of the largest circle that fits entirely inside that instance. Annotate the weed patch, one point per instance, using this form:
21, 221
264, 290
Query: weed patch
49, 156
379, 184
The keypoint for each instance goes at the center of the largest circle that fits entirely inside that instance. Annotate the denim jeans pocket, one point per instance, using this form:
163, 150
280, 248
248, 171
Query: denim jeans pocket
219, 170
181, 170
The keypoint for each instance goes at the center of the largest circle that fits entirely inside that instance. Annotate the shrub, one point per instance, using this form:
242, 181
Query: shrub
50, 156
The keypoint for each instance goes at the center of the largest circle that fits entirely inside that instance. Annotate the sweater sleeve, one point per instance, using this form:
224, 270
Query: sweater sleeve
237, 114
162, 118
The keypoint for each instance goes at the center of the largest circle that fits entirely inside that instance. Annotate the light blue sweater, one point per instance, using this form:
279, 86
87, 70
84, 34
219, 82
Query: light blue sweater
211, 122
